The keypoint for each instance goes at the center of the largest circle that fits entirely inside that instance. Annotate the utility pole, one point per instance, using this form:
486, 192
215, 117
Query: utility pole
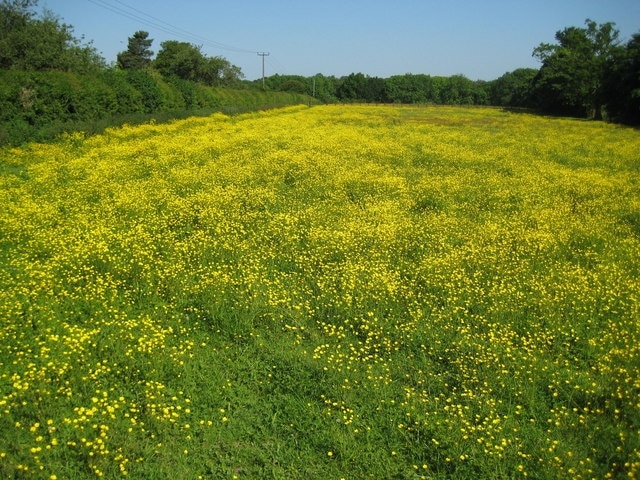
263, 54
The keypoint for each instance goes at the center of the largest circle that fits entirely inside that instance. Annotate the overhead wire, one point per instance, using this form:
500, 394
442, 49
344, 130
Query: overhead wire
149, 20
138, 15
283, 69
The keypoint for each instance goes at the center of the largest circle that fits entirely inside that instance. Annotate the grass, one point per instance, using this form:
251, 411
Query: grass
328, 292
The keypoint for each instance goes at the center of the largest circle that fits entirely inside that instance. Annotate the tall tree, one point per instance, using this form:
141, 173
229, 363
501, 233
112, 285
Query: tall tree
217, 71
376, 90
28, 42
621, 87
570, 79
138, 53
15, 17
352, 87
187, 62
179, 59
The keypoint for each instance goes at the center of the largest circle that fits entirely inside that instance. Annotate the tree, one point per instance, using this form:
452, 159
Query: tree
570, 79
294, 85
352, 87
459, 90
361, 87
187, 62
621, 86
323, 87
513, 89
31, 43
410, 88
179, 59
15, 16
231, 74
217, 71
138, 54
376, 90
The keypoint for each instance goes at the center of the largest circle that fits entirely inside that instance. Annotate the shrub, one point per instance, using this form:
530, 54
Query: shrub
146, 84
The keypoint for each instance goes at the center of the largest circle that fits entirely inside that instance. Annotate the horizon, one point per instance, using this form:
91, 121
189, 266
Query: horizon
481, 41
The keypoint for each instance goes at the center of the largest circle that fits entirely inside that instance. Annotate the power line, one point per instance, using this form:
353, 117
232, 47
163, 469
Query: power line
283, 70
206, 40
143, 17
132, 16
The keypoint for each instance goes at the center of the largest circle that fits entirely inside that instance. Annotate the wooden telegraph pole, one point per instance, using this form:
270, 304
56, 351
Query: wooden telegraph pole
263, 54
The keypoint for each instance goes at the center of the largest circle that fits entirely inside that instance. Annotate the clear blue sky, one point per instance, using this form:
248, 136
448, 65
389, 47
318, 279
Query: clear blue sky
481, 39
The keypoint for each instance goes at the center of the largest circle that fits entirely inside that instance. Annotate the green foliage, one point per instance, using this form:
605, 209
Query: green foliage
170, 97
185, 61
60, 96
30, 43
319, 86
621, 87
32, 103
16, 96
459, 90
147, 85
187, 90
294, 86
40, 105
129, 98
288, 83
321, 293
573, 70
206, 97
179, 59
138, 54
359, 87
513, 89
352, 87
410, 88
218, 71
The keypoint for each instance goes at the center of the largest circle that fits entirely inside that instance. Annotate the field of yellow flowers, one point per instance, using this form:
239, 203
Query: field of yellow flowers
323, 293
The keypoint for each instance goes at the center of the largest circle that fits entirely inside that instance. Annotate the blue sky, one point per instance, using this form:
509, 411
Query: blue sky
481, 39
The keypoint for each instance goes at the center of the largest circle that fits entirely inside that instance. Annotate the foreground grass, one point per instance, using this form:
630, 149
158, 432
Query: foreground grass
334, 292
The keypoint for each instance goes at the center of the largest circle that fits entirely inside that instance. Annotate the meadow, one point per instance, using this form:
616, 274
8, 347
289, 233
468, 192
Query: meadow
333, 292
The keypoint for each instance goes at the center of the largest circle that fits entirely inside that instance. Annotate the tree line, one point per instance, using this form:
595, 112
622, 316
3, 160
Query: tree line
51, 81
407, 88
29, 42
587, 73
47, 74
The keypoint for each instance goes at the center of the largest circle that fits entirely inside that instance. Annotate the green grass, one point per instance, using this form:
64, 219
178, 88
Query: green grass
323, 293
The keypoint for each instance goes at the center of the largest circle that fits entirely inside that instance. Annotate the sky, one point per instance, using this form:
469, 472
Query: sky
481, 39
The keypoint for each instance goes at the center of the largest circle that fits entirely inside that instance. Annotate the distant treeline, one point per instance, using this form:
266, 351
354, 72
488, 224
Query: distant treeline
588, 73
408, 88
51, 81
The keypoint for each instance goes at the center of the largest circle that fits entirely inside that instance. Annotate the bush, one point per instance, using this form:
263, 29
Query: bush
129, 100
206, 97
41, 105
172, 98
15, 94
187, 90
143, 81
